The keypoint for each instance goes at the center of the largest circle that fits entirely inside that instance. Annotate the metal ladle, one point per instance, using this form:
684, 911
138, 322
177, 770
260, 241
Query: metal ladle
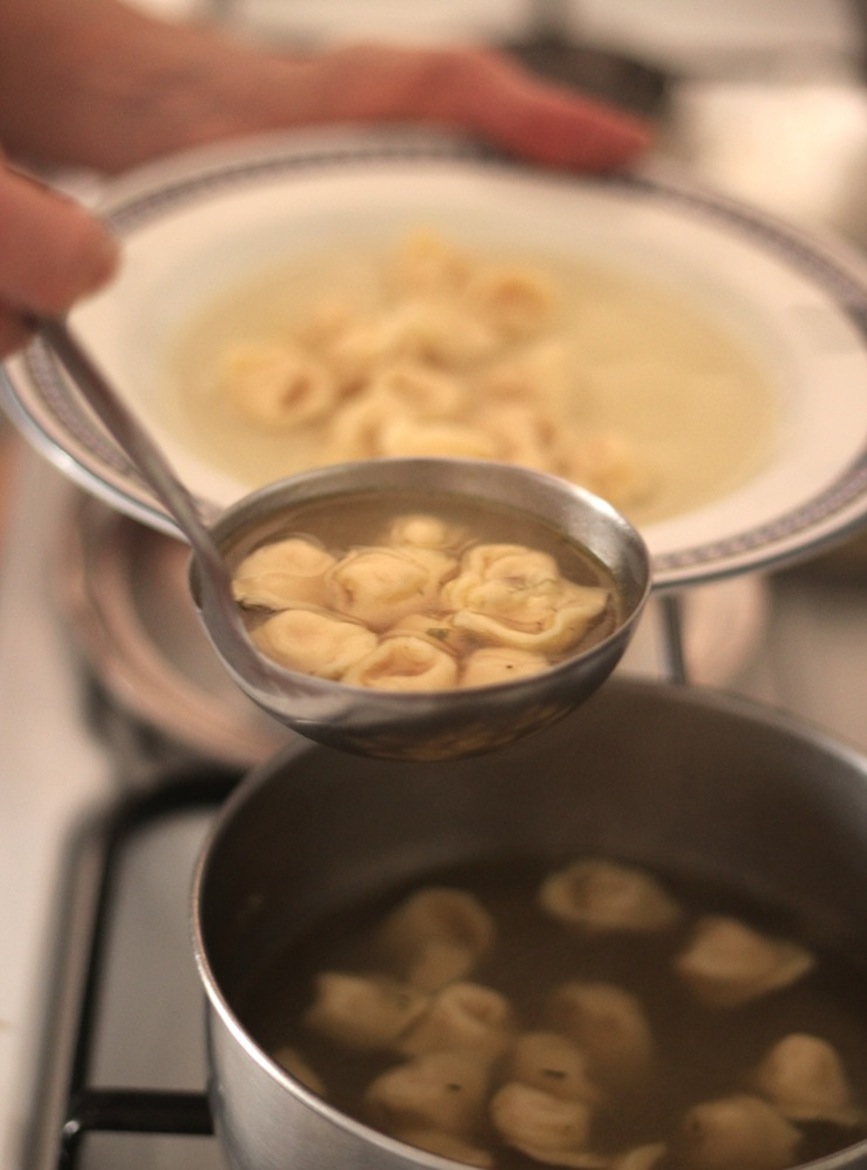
388, 724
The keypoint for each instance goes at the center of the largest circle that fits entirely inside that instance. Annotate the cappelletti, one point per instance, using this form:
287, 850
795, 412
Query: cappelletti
430, 608
465, 357
434, 1040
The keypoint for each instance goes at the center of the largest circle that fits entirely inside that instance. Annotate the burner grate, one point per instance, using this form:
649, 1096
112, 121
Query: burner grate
82, 1106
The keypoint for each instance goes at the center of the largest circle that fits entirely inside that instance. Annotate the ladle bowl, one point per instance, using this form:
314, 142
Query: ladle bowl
437, 724
429, 725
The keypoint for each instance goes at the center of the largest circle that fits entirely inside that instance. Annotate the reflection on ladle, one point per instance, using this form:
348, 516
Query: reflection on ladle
387, 724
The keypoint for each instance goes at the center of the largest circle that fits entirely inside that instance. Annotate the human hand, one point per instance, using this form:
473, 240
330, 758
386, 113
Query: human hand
484, 93
51, 253
96, 83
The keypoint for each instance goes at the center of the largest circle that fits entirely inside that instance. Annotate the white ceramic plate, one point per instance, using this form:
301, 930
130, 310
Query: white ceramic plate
202, 222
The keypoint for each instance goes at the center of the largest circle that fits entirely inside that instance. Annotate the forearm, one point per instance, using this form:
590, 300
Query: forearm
94, 83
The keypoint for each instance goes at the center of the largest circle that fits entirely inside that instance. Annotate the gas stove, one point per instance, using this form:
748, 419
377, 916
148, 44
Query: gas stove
102, 1059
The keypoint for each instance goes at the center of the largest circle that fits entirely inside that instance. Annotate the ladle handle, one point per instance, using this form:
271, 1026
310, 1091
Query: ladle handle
134, 440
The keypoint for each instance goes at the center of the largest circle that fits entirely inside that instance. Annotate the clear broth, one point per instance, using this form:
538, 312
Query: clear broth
703, 1053
694, 398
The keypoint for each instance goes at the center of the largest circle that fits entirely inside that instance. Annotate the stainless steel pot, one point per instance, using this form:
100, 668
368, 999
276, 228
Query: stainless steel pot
661, 775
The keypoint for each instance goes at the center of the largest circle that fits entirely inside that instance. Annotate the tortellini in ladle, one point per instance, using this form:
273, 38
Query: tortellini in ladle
429, 607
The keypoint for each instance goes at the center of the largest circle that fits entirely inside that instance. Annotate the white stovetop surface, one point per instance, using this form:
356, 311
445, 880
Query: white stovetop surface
810, 651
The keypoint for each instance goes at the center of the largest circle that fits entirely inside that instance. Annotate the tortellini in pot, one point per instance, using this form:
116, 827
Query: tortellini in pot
549, 1129
435, 936
727, 963
361, 1012
609, 1024
803, 1077
462, 1017
740, 1132
553, 631
597, 895
553, 1064
440, 1091
440, 629
587, 1073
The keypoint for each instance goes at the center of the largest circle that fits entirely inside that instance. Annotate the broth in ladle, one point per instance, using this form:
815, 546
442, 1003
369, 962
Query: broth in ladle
411, 596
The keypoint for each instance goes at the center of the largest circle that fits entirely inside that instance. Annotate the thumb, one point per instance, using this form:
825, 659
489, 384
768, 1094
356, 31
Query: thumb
51, 251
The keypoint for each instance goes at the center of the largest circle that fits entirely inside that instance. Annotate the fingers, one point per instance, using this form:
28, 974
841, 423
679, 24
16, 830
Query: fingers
484, 93
549, 124
51, 254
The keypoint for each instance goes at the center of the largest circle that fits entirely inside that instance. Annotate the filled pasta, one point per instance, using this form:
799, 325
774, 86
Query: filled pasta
549, 1129
282, 573
363, 1012
435, 936
440, 1091
447, 1023
462, 1017
609, 1024
600, 895
803, 1077
728, 963
433, 606
553, 1064
740, 1132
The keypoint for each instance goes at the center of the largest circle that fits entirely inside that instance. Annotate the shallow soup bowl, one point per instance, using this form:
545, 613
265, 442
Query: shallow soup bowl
653, 775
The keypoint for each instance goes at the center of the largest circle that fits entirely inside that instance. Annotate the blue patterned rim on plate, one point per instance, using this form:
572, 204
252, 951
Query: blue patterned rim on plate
41, 403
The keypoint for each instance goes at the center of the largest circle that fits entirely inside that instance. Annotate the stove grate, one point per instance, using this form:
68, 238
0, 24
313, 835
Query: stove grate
85, 1107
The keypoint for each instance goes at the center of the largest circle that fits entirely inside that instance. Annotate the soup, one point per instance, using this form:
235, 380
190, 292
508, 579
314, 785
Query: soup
427, 347
594, 1015
390, 597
